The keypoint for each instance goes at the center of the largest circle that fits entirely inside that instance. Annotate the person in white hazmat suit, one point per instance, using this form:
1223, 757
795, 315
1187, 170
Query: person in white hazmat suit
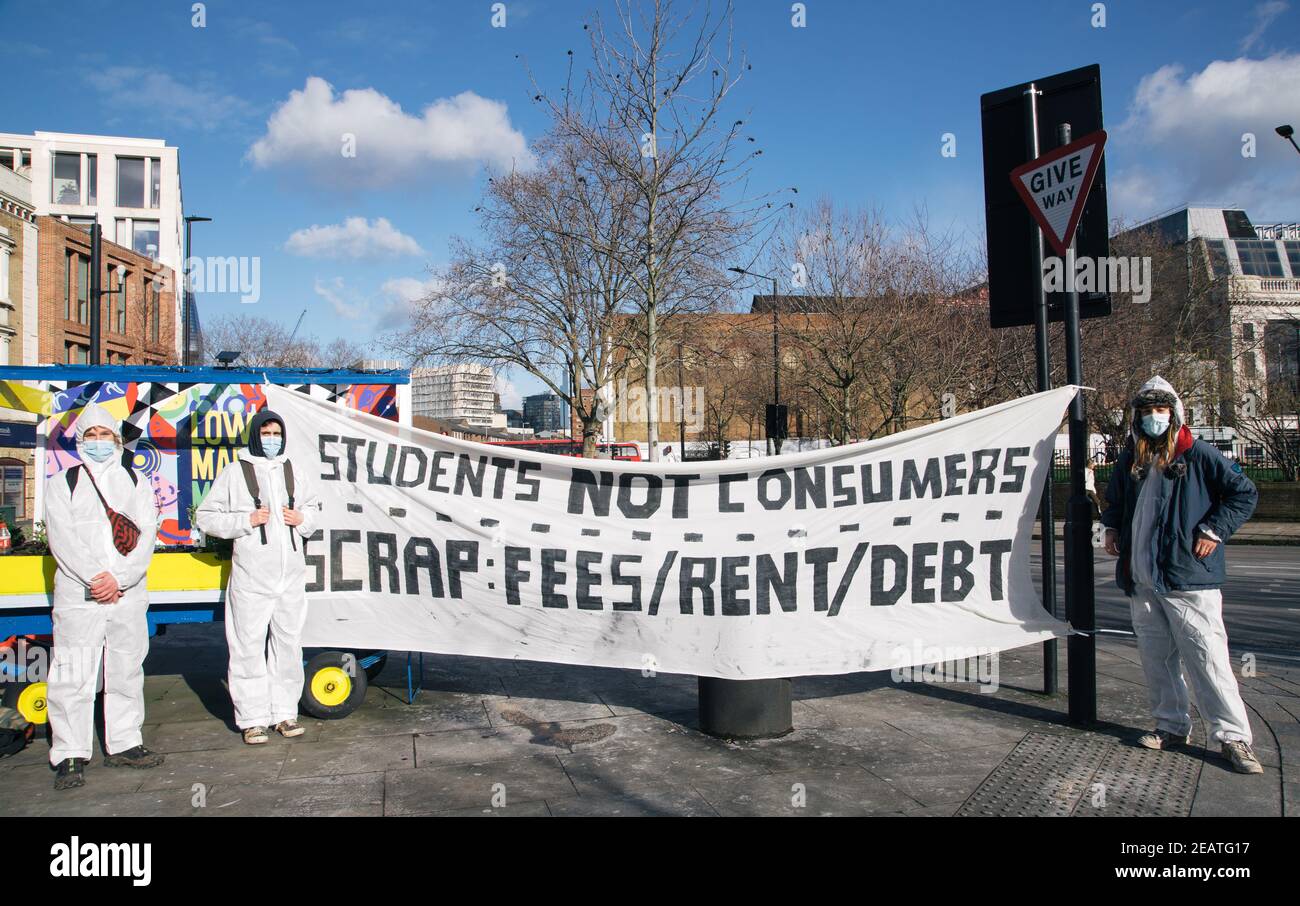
100, 602
1172, 503
267, 508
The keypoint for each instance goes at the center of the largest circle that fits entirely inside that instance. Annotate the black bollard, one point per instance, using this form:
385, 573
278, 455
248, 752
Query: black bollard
745, 709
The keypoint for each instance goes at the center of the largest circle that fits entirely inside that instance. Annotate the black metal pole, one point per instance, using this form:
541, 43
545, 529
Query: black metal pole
1042, 352
1080, 606
95, 292
185, 298
681, 404
776, 369
749, 709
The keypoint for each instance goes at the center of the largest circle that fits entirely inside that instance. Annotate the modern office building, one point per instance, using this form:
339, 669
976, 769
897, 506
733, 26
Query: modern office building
133, 186
454, 393
546, 413
1255, 269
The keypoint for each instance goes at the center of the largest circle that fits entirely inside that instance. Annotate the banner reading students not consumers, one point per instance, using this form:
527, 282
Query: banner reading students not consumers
852, 558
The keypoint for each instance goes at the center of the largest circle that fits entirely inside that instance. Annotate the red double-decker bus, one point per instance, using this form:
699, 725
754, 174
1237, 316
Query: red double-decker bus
562, 446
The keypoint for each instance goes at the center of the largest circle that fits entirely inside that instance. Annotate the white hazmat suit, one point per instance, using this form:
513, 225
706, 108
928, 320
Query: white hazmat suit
89, 636
266, 588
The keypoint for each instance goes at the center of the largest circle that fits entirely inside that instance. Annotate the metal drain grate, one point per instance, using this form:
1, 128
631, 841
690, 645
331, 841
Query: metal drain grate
1043, 776
1136, 783
1051, 774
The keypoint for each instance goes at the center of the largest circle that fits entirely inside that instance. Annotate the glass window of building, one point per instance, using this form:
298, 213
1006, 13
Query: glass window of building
145, 238
13, 486
122, 236
83, 289
130, 182
155, 318
78, 354
1218, 257
92, 179
155, 182
119, 299
1259, 257
1293, 257
65, 185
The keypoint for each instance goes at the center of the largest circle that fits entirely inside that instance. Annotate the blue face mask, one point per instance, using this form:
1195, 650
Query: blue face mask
1155, 425
271, 446
98, 450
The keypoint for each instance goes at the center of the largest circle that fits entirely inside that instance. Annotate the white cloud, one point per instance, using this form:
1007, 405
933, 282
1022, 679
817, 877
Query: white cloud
345, 303
354, 238
307, 133
263, 33
1183, 139
135, 89
1265, 13
401, 294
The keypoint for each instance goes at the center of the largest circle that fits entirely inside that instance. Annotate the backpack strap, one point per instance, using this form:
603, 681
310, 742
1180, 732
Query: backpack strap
288, 487
127, 459
250, 481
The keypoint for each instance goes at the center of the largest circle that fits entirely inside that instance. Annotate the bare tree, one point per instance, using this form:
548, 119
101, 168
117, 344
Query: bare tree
650, 115
543, 289
879, 335
260, 342
265, 343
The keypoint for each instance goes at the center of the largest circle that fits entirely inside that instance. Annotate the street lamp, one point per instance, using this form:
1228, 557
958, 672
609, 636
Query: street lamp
776, 362
185, 301
1289, 134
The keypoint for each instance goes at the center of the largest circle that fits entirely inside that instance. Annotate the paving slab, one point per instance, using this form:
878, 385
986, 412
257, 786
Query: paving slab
681, 802
424, 791
210, 767
330, 796
349, 756
844, 791
537, 809
432, 712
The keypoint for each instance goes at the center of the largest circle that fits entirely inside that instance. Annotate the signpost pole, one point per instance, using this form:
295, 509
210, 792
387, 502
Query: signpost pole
1080, 606
1047, 523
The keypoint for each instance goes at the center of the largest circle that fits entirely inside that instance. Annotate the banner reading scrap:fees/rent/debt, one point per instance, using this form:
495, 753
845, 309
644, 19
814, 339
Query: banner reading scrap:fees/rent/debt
853, 558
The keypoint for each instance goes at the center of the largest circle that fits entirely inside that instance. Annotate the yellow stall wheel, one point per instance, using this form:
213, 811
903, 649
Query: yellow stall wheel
32, 704
28, 699
333, 685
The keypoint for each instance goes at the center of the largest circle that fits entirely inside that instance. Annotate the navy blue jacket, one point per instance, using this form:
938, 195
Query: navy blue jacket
1200, 487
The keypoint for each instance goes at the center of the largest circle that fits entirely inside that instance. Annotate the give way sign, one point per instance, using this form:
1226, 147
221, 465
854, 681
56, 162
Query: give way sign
1055, 185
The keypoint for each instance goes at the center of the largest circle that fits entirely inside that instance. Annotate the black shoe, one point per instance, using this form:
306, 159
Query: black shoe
72, 774
138, 757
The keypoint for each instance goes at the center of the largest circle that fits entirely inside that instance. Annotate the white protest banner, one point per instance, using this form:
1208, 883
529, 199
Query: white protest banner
852, 558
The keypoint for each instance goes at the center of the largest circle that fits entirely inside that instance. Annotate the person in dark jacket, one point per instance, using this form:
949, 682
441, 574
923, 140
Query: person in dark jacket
1172, 503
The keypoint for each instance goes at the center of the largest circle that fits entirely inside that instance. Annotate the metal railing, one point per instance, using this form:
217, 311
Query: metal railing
1255, 461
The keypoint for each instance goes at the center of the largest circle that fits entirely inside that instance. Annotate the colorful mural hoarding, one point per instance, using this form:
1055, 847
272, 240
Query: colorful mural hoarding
182, 435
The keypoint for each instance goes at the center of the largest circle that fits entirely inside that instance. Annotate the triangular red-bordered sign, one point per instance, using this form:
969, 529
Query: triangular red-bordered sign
1060, 193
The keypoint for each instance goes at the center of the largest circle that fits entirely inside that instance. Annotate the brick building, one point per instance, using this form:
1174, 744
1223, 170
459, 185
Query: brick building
18, 249
138, 311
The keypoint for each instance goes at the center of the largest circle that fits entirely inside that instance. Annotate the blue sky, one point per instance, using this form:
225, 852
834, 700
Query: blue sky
853, 106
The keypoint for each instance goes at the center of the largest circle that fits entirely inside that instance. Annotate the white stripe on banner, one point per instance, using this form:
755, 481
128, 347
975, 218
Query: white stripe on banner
862, 557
